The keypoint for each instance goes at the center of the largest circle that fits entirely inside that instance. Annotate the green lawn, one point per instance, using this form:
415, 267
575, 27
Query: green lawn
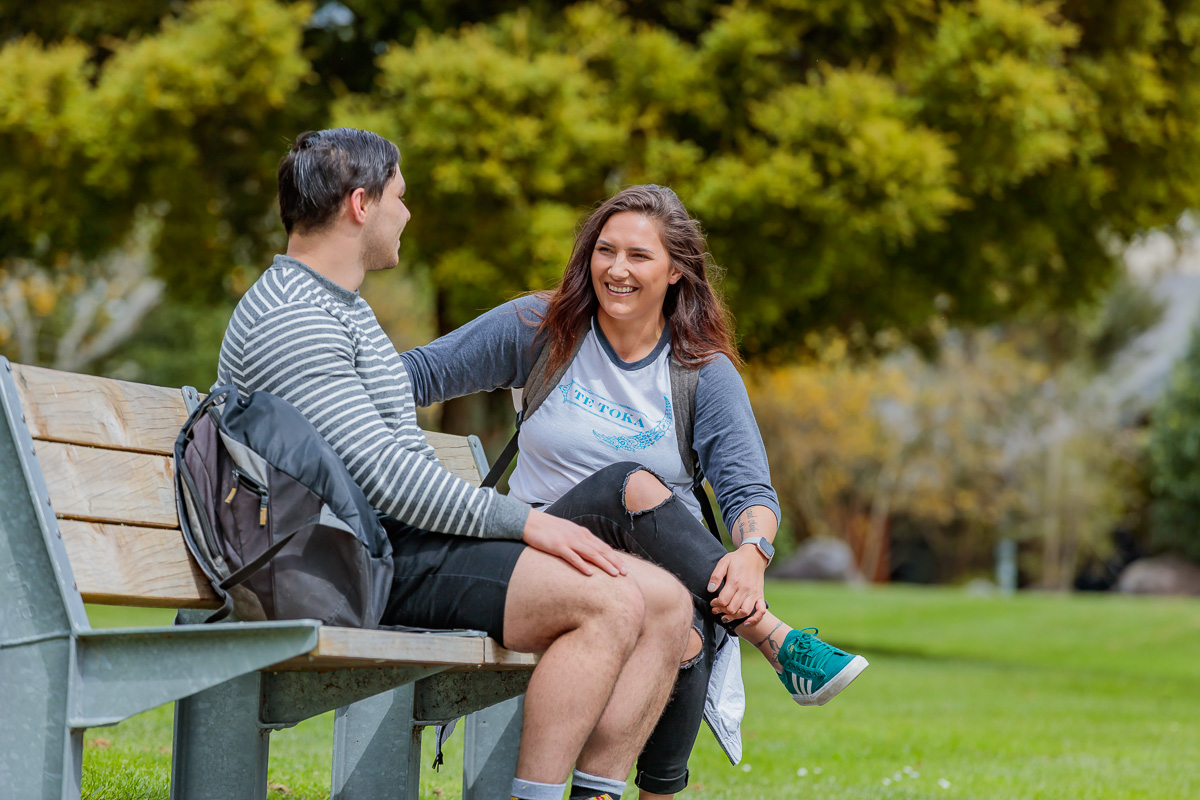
1033, 696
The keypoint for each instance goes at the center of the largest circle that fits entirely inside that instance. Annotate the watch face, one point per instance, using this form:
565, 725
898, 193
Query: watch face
764, 547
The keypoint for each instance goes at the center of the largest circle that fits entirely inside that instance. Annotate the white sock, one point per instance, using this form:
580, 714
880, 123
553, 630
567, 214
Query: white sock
532, 790
595, 784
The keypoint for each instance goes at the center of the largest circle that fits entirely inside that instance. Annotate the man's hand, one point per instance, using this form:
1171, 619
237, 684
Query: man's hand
742, 595
573, 543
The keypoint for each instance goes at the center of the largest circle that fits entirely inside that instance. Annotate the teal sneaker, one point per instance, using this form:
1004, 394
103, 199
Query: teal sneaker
813, 671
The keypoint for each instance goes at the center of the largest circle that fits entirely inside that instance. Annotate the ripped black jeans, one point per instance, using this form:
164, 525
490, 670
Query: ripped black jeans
669, 536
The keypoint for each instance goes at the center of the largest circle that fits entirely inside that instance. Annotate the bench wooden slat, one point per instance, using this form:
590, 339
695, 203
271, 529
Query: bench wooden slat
135, 488
100, 485
353, 647
455, 454
102, 412
117, 514
83, 409
123, 565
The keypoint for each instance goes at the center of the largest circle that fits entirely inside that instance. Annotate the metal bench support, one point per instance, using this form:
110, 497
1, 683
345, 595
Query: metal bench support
377, 741
39, 755
377, 748
220, 750
490, 758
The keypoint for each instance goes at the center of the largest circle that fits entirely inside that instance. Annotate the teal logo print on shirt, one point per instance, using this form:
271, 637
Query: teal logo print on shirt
644, 432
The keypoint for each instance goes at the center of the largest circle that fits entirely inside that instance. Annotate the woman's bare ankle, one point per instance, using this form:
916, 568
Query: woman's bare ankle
767, 636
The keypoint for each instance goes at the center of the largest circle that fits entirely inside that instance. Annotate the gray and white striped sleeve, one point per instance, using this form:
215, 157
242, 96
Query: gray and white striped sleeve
305, 356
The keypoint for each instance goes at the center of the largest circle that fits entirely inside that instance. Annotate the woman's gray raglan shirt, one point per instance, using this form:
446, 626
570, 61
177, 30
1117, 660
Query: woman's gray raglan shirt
496, 350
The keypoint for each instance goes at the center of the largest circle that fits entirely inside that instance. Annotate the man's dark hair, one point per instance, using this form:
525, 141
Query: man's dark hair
324, 166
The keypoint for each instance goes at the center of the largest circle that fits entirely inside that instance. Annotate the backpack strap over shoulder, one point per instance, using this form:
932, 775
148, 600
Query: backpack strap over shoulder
684, 381
683, 398
539, 385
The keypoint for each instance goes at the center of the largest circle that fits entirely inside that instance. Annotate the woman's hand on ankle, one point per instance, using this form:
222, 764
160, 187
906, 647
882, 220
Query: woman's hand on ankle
742, 594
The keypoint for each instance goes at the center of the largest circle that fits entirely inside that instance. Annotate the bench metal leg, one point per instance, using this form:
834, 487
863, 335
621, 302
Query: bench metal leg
220, 748
377, 744
41, 757
377, 748
493, 737
73, 764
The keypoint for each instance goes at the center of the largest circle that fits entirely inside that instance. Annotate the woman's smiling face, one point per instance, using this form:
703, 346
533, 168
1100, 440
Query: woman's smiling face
631, 270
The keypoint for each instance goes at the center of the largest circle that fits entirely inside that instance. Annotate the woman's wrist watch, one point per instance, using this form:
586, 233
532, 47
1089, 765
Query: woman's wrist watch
764, 547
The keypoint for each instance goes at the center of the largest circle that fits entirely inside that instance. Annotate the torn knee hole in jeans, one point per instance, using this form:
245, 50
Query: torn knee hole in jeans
691, 662
625, 487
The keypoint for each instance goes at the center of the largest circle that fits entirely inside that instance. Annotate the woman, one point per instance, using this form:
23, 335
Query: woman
634, 294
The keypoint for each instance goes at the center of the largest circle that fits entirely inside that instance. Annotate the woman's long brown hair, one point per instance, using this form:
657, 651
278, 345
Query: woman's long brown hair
700, 324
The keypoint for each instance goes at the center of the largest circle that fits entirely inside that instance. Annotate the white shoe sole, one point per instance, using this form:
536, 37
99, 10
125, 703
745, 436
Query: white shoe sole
839, 682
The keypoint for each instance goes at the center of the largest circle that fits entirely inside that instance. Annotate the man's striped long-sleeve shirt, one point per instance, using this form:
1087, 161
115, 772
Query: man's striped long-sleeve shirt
305, 339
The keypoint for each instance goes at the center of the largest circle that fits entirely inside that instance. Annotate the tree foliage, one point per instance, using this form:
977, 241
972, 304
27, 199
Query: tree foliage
1175, 459
494, 184
861, 166
182, 123
880, 168
175, 132
986, 441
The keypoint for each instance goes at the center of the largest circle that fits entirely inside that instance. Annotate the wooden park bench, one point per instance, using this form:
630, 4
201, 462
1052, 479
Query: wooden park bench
88, 515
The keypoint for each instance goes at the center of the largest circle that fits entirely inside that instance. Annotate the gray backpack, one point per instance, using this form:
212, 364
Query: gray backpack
273, 517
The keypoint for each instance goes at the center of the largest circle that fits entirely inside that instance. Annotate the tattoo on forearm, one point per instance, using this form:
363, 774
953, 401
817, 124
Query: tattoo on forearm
747, 524
767, 639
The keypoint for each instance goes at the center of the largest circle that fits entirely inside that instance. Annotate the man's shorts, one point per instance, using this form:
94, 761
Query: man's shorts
446, 581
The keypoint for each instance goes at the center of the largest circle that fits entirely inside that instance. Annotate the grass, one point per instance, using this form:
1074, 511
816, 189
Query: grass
1082, 697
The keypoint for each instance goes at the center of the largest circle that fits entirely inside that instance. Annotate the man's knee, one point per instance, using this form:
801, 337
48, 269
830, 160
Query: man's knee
548, 599
673, 621
615, 603
668, 603
681, 603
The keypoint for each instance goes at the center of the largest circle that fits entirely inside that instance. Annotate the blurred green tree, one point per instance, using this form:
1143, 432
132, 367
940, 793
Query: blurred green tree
987, 440
880, 169
153, 153
1175, 459
877, 167
861, 166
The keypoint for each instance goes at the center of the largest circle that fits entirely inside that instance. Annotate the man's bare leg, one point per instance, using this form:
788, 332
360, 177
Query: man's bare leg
587, 628
644, 685
638, 701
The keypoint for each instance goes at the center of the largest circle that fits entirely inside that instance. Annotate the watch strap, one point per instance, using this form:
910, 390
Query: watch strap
764, 547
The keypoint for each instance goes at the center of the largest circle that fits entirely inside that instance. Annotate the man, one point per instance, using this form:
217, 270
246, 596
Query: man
612, 630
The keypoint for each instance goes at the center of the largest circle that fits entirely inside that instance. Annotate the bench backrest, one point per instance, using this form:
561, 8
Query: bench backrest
104, 448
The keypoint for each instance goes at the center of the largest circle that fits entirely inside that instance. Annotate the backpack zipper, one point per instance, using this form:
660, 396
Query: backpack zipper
254, 486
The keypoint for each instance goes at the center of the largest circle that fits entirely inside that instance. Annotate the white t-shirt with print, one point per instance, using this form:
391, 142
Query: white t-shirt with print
602, 411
